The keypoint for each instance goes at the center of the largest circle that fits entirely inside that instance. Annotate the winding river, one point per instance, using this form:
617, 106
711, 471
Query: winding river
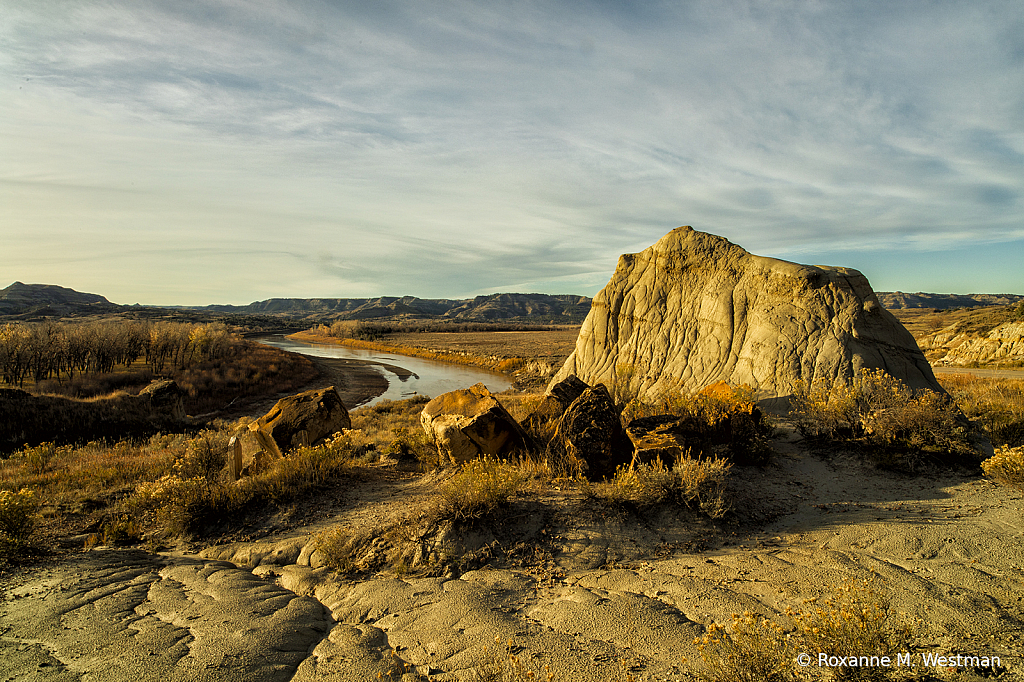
406, 375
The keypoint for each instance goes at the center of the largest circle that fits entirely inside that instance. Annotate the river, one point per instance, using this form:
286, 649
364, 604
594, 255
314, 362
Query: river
406, 375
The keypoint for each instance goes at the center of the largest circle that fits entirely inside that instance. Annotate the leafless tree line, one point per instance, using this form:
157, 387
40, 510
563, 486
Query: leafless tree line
59, 350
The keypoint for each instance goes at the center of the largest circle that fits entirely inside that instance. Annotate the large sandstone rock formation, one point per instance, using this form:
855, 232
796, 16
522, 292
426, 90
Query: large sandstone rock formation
694, 309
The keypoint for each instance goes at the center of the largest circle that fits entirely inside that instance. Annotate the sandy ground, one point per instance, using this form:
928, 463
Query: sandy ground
606, 587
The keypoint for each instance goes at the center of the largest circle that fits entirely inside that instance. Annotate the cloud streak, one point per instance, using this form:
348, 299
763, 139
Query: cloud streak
475, 148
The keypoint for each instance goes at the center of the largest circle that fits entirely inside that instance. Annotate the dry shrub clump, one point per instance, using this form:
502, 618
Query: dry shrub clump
751, 649
877, 409
855, 624
1006, 466
479, 488
694, 483
996, 404
17, 517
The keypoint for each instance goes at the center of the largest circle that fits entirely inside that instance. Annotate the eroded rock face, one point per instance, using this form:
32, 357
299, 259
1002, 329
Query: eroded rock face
694, 309
470, 422
590, 434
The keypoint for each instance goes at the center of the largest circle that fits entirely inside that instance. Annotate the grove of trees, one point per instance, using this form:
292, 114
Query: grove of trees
60, 350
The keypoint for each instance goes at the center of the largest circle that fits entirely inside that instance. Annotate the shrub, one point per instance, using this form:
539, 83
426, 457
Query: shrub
478, 488
750, 649
17, 515
1006, 466
205, 456
883, 412
854, 622
693, 483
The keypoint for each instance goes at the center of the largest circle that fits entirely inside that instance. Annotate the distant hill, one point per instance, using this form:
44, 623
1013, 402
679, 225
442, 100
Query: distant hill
49, 300
562, 308
896, 300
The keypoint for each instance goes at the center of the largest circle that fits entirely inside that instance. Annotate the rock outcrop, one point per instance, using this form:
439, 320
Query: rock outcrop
305, 418
695, 309
470, 422
589, 438
1003, 345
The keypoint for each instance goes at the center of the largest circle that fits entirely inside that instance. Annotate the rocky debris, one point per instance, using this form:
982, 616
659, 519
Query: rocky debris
719, 425
470, 422
694, 309
29, 419
589, 436
302, 419
1003, 345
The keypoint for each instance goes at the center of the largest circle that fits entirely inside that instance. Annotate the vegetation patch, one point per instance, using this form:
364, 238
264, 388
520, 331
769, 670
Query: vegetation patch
901, 427
693, 483
996, 405
1006, 466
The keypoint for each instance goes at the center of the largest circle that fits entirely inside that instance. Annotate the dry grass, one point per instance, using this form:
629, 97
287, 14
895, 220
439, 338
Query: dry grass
696, 484
996, 404
479, 488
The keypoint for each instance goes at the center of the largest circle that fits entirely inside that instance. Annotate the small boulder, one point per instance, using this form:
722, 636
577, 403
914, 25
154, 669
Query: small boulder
305, 418
165, 399
470, 422
589, 436
554, 403
302, 419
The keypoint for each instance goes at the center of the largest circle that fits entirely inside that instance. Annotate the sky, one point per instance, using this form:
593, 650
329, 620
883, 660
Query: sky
184, 152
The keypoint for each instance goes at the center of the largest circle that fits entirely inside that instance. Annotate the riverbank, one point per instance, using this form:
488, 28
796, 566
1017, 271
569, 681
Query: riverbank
529, 358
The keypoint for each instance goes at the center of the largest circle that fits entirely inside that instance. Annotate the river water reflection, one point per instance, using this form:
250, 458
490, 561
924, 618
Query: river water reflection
423, 377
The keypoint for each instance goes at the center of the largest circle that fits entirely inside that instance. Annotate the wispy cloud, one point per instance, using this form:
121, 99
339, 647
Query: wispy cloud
388, 148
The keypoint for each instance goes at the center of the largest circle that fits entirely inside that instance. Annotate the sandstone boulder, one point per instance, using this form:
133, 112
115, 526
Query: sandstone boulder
164, 398
304, 419
589, 436
470, 422
694, 309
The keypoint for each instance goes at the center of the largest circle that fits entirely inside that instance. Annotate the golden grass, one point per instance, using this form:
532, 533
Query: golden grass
877, 409
696, 484
996, 404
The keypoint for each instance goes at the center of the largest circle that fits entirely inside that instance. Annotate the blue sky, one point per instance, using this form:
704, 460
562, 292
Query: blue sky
224, 152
